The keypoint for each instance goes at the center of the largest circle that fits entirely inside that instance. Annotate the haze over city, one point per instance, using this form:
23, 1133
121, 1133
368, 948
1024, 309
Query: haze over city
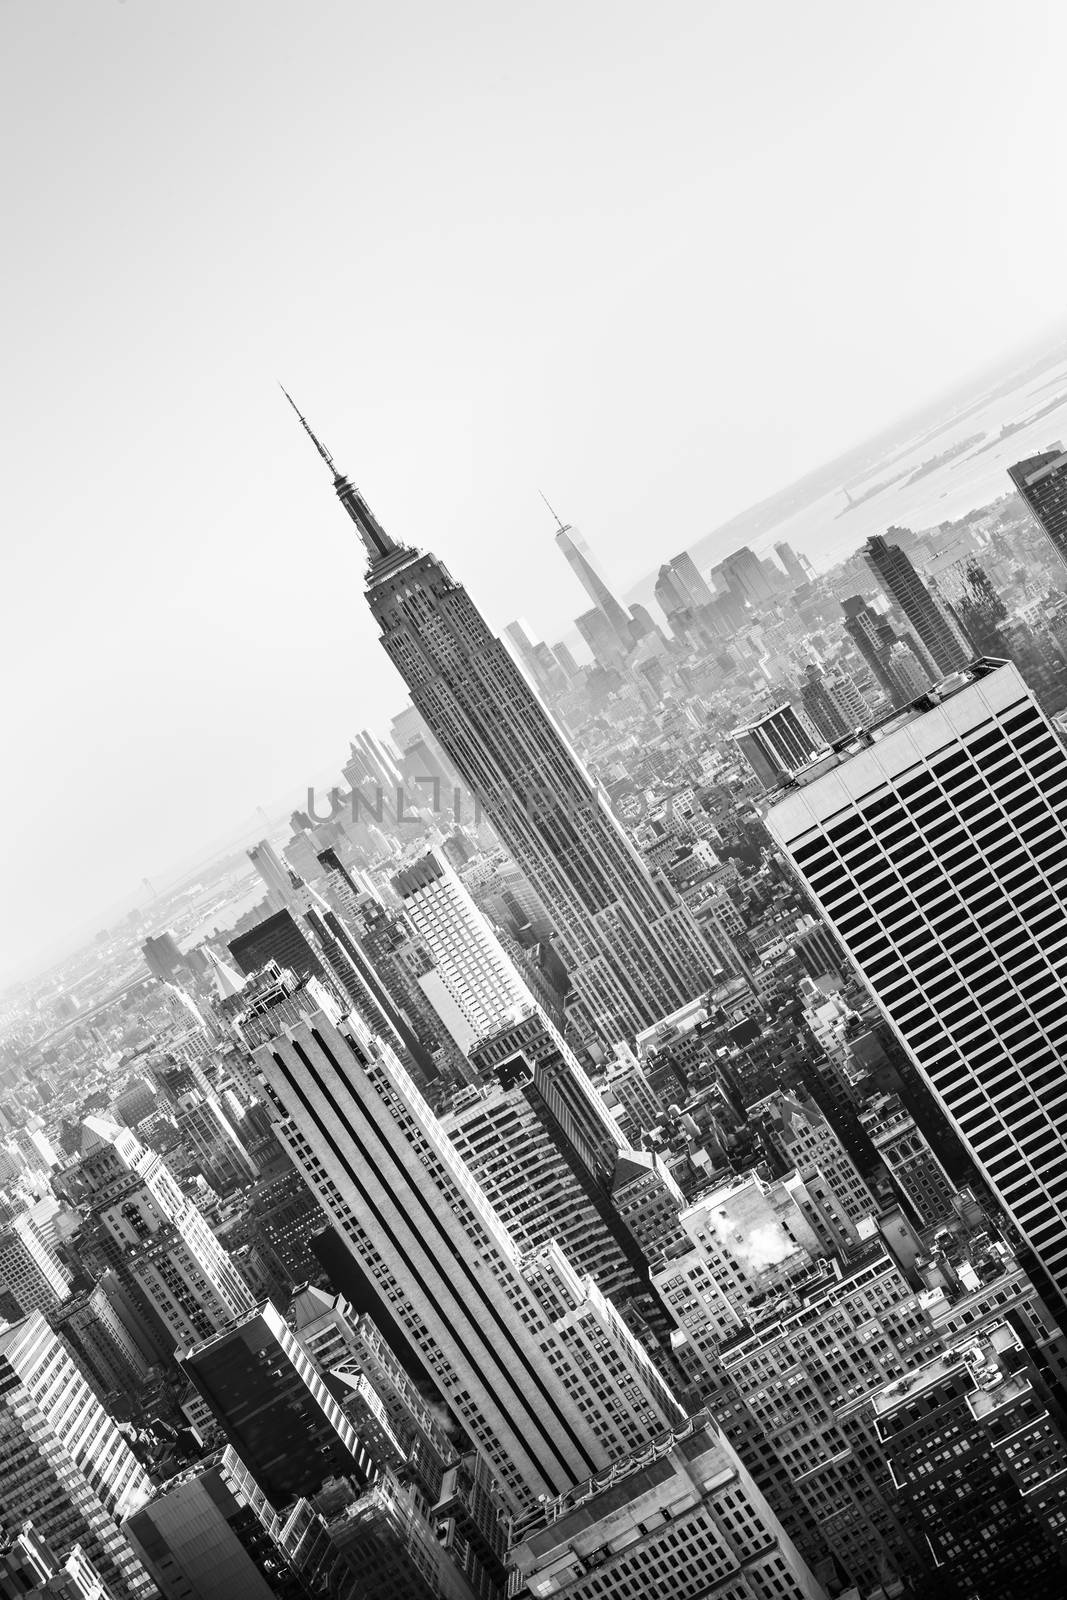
656, 265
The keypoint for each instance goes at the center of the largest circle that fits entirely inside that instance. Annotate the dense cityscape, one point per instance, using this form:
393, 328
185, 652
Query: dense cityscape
619, 1148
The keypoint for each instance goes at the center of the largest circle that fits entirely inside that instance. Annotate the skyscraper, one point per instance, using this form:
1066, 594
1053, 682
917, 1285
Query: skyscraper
472, 985
796, 566
833, 702
63, 1462
32, 1277
541, 1400
212, 1531
894, 660
937, 629
634, 952
936, 849
274, 1407
274, 873
688, 578
744, 575
778, 743
155, 1236
580, 559
1042, 482
683, 1518
31, 1570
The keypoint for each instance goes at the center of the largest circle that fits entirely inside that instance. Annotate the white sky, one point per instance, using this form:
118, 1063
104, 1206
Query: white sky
657, 260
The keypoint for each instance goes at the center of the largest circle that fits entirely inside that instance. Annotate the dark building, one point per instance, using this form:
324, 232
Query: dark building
1042, 482
277, 938
275, 1409
937, 629
976, 1454
163, 956
818, 951
895, 659
777, 744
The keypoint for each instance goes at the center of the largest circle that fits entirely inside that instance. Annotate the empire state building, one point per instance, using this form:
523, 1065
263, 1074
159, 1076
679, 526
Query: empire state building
634, 952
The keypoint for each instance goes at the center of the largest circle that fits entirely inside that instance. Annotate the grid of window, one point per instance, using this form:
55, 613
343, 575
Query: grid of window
949, 888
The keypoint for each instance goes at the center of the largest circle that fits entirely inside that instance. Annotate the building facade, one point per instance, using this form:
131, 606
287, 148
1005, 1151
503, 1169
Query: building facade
937, 851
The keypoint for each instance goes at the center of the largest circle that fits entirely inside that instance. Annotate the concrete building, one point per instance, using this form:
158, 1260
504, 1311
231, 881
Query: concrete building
473, 985
778, 743
155, 1236
32, 1277
212, 1531
274, 1407
924, 1185
633, 951
63, 1463
936, 628
936, 849
977, 1454
482, 1320
1042, 482
682, 1518
31, 1570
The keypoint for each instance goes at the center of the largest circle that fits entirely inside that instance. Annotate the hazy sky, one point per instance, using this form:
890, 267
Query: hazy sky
657, 260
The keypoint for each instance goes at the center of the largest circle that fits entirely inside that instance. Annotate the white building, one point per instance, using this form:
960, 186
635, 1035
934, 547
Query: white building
936, 848
64, 1465
491, 1327
473, 986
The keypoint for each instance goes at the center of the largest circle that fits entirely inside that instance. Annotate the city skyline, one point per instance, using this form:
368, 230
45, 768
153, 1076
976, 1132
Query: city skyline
625, 445
576, 1103
173, 867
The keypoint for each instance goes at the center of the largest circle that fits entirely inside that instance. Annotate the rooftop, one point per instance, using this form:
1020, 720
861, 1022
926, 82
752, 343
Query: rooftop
854, 743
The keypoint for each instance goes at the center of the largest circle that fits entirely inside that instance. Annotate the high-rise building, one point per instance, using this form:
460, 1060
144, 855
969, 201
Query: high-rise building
473, 985
541, 1400
671, 597
387, 1537
745, 576
977, 1454
154, 1235
566, 661
535, 658
900, 665
32, 1278
778, 743
833, 702
536, 1194
103, 1332
64, 1465
274, 1407
163, 957
1042, 482
688, 577
936, 628
580, 559
936, 849
372, 768
634, 952
680, 588
602, 640
808, 1143
274, 874
31, 1570
682, 1518
213, 1531
279, 938
795, 565
923, 1184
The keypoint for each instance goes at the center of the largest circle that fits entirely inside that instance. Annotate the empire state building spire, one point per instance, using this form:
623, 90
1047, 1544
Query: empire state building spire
372, 533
